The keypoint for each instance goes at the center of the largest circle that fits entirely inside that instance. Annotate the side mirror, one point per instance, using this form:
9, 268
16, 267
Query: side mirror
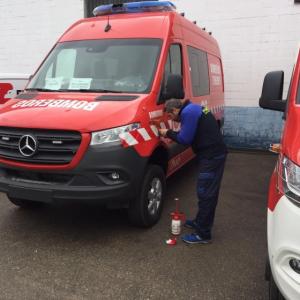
271, 97
174, 88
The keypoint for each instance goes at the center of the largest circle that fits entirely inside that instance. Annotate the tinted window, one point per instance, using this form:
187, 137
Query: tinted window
173, 63
199, 71
175, 59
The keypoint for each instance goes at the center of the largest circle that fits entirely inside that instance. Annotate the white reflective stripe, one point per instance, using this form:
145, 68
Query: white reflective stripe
170, 122
143, 132
154, 129
156, 114
128, 138
163, 125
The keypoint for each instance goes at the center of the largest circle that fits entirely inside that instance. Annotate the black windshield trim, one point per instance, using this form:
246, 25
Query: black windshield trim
116, 98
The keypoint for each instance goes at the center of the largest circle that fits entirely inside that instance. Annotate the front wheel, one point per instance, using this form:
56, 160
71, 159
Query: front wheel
145, 210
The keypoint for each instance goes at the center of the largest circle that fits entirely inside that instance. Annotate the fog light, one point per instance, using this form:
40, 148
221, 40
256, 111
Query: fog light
295, 265
114, 176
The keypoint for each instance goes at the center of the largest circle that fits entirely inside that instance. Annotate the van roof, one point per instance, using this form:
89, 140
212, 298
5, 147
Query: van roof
141, 25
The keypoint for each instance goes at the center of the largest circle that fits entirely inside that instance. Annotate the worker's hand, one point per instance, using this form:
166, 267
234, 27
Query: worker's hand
163, 132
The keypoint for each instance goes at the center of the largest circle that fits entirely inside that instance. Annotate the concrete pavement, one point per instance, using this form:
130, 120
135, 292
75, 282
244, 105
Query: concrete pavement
85, 252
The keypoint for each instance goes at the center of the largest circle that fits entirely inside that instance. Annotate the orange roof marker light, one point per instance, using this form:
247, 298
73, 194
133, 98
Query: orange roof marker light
134, 7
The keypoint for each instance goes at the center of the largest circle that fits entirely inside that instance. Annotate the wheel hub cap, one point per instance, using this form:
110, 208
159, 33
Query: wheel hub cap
154, 196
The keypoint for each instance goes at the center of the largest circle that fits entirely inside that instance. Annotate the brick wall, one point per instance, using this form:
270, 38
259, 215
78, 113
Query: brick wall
255, 37
30, 28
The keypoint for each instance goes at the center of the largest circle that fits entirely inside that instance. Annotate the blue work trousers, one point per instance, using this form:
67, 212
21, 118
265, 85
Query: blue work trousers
210, 172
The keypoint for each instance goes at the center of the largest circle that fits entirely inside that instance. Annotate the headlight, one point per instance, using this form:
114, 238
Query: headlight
289, 173
111, 135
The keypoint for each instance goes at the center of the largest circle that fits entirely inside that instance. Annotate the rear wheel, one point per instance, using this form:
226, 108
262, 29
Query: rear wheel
145, 210
27, 204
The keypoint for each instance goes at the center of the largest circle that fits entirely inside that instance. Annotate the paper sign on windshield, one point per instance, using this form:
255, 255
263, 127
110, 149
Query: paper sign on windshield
80, 83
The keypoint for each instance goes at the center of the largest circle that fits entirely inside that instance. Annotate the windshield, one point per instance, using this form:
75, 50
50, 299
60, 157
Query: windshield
109, 65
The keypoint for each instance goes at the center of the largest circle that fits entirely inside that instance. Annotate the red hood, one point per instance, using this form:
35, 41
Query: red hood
291, 135
80, 112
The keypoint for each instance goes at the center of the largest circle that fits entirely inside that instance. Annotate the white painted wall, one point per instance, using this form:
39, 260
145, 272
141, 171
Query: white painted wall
29, 29
255, 37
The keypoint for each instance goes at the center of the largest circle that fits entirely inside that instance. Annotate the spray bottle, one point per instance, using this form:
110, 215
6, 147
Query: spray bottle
177, 218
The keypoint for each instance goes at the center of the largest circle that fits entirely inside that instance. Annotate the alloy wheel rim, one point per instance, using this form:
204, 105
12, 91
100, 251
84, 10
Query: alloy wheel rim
154, 196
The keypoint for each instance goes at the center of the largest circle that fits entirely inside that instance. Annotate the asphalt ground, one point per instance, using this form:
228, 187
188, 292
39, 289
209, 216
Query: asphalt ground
86, 252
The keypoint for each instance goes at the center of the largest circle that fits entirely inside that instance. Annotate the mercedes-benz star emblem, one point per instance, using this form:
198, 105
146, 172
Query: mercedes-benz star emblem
28, 145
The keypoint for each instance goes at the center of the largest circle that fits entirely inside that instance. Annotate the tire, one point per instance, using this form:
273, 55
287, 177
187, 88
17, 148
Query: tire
267, 270
145, 210
26, 204
274, 293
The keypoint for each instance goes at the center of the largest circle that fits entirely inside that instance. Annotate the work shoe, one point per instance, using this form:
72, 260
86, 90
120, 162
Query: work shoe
194, 238
190, 224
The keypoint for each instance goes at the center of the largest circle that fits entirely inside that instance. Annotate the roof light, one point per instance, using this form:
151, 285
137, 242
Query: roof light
134, 7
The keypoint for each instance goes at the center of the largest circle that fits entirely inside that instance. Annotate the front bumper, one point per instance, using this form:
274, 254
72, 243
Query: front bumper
284, 245
90, 180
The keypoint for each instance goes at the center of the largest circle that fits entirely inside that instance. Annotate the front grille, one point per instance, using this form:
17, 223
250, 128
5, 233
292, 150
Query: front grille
53, 146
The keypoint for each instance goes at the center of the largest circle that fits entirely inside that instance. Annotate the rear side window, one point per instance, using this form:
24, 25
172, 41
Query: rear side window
199, 71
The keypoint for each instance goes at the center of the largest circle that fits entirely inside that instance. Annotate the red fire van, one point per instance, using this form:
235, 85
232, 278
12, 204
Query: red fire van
283, 265
86, 127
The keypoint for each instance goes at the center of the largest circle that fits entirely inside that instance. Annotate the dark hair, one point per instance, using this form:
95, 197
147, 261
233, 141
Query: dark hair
171, 104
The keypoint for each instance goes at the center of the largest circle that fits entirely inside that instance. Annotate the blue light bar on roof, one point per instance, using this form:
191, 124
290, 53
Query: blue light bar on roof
134, 7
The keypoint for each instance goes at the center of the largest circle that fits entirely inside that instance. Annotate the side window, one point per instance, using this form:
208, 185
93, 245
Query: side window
173, 63
288, 96
199, 71
175, 58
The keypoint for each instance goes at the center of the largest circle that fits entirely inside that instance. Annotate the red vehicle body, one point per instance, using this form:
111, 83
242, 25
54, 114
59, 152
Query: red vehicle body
11, 85
99, 142
283, 264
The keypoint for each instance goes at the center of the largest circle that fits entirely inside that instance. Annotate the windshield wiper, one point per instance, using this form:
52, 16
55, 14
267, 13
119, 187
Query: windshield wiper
89, 91
40, 90
74, 90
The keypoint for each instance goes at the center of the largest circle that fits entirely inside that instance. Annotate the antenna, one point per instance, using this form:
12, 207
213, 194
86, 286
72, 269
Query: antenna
108, 26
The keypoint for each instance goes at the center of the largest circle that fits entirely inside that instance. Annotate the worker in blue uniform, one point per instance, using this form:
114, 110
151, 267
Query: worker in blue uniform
200, 129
